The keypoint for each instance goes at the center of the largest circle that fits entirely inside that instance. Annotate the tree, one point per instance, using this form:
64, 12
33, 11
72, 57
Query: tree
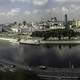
24, 23
15, 23
19, 24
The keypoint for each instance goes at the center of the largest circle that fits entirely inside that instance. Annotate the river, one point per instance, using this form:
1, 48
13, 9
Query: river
56, 56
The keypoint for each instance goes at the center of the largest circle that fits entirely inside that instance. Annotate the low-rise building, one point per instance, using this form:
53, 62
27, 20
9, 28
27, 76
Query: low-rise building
15, 29
78, 23
75, 24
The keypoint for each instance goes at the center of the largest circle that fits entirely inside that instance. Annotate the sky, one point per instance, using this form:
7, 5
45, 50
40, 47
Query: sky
35, 10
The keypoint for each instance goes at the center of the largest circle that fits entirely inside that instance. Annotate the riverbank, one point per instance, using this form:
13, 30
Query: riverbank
39, 41
11, 40
44, 42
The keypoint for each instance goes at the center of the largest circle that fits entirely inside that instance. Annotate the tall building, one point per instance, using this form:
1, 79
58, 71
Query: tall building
66, 22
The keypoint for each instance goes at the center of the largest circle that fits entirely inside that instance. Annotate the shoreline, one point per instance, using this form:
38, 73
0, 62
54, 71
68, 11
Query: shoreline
41, 42
11, 40
38, 42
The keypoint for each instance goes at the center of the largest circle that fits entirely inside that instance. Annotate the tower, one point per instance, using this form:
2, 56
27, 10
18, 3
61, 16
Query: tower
66, 22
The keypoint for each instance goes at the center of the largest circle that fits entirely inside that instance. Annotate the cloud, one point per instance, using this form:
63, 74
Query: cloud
16, 10
61, 0
20, 0
53, 9
39, 2
13, 12
2, 13
48, 10
27, 12
68, 0
64, 9
75, 7
35, 11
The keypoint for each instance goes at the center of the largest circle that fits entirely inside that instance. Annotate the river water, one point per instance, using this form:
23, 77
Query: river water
36, 55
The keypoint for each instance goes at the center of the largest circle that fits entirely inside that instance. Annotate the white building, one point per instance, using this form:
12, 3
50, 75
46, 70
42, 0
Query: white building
57, 27
15, 28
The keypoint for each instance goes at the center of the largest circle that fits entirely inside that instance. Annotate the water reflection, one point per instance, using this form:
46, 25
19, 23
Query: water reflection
18, 75
36, 55
51, 55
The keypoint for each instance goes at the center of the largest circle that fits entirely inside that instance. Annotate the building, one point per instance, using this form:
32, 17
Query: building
52, 23
67, 25
23, 28
57, 25
77, 23
15, 29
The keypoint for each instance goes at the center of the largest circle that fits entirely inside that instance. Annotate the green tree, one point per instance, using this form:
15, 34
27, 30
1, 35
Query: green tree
24, 23
19, 24
15, 23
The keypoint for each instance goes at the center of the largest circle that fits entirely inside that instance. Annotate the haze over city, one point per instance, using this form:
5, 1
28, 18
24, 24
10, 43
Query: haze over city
33, 10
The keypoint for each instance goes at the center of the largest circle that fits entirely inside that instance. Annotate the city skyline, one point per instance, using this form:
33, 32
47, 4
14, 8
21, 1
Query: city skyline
33, 10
